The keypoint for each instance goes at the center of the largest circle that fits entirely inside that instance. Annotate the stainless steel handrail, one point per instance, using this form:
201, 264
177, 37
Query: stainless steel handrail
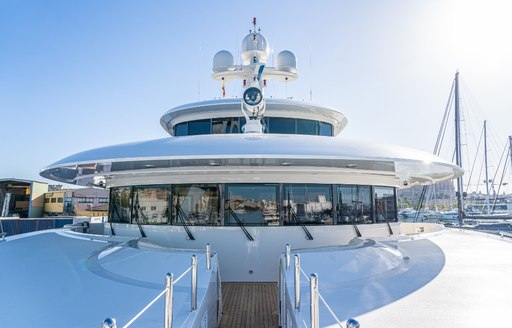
169, 294
315, 294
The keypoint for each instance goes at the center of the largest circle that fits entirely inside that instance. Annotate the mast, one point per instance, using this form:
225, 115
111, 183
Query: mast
486, 170
458, 155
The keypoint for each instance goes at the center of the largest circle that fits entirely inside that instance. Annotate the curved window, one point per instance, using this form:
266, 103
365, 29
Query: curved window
256, 204
227, 125
195, 205
307, 204
385, 205
150, 205
251, 204
354, 204
120, 202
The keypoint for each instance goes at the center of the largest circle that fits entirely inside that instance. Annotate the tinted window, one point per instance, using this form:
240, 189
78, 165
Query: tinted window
307, 203
195, 204
307, 127
385, 204
281, 125
325, 129
120, 202
354, 204
150, 205
252, 204
199, 127
181, 129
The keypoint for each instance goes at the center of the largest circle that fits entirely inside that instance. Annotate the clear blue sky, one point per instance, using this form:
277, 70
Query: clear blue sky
76, 75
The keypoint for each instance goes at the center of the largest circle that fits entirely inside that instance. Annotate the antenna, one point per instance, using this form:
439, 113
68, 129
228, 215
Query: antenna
310, 76
199, 76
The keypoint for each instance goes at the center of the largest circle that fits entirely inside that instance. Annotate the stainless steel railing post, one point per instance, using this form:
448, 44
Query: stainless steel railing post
208, 257
109, 323
194, 283
288, 251
169, 284
282, 294
296, 281
313, 290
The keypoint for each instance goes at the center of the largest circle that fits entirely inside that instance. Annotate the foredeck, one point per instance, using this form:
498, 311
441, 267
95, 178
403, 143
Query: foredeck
249, 305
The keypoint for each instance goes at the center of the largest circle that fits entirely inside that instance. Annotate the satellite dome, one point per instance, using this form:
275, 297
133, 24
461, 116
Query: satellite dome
286, 61
255, 45
222, 61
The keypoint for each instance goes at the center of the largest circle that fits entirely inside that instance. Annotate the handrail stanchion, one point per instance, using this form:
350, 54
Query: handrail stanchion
194, 283
109, 323
313, 289
208, 257
352, 323
169, 284
282, 296
288, 251
296, 281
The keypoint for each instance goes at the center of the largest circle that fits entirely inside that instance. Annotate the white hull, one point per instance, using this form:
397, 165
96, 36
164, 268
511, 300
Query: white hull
258, 260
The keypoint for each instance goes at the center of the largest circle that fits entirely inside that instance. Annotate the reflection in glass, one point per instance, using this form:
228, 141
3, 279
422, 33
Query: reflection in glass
195, 204
150, 205
252, 204
307, 203
225, 125
354, 204
385, 204
120, 204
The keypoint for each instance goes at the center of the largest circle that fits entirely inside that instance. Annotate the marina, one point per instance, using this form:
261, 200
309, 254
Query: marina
253, 211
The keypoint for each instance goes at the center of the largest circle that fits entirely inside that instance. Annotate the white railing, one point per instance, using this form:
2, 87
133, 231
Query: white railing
169, 293
288, 315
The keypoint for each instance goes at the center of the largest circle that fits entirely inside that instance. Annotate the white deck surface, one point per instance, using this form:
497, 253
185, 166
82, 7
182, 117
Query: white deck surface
57, 279
452, 279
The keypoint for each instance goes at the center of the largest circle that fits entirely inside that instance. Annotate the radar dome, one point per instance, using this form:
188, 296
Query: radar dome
222, 61
286, 61
255, 45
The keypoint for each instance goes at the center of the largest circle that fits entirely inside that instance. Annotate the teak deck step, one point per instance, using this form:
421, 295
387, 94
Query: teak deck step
249, 304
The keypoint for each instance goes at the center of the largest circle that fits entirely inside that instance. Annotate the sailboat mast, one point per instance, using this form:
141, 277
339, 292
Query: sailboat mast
486, 169
458, 155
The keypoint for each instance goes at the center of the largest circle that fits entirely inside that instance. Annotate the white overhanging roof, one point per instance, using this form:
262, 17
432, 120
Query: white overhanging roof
253, 153
231, 108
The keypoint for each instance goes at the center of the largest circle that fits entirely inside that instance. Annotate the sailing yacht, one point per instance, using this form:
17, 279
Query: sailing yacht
280, 196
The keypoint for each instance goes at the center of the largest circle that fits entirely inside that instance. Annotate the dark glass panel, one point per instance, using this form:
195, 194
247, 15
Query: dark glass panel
281, 125
354, 204
385, 204
199, 127
307, 204
195, 204
252, 204
120, 201
225, 125
325, 129
150, 205
181, 129
307, 127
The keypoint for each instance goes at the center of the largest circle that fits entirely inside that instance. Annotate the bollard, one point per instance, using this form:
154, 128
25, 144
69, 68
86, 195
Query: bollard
193, 276
208, 257
313, 288
297, 281
109, 323
169, 287
352, 323
288, 250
